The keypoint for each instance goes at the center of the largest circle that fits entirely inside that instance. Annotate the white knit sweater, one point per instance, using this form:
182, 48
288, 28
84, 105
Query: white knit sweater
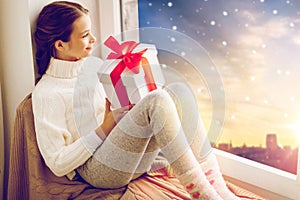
68, 104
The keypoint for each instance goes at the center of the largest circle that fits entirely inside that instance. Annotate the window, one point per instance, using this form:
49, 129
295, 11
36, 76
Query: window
253, 46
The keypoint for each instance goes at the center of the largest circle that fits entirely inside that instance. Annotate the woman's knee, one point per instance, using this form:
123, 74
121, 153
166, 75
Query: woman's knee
182, 94
185, 101
160, 98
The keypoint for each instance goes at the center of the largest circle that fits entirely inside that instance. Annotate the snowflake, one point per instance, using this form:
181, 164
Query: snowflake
266, 101
278, 71
287, 73
275, 12
170, 4
247, 98
164, 66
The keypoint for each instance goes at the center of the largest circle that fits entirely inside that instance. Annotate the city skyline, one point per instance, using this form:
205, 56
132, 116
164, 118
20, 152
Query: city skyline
284, 158
254, 46
262, 143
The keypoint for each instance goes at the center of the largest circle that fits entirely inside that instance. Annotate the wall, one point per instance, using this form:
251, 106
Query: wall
16, 71
17, 19
1, 146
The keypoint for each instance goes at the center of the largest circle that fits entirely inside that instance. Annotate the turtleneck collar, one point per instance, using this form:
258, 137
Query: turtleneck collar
64, 69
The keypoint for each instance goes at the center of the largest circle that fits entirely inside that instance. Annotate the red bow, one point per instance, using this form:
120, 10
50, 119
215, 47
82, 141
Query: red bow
124, 51
128, 60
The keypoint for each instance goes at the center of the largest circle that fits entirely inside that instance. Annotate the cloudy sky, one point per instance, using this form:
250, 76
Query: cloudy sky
255, 46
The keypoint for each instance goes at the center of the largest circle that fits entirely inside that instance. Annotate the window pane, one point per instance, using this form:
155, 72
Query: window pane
255, 46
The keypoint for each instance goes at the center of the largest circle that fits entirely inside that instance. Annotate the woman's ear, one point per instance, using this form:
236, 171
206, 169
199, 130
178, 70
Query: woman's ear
59, 45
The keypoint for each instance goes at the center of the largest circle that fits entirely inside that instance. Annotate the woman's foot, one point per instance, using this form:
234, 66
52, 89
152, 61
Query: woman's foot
196, 184
212, 171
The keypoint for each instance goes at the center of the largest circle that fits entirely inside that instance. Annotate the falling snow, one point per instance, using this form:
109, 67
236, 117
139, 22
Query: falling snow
224, 43
258, 40
247, 98
292, 98
170, 4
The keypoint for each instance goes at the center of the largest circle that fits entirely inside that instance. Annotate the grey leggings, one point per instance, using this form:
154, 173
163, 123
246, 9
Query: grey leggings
164, 121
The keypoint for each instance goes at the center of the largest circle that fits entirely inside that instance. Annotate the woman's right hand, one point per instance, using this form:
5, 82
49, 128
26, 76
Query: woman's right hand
111, 118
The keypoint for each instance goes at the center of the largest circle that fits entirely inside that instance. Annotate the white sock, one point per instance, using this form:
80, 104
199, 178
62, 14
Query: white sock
196, 184
212, 171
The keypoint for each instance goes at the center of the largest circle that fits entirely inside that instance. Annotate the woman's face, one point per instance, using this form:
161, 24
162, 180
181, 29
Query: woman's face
81, 41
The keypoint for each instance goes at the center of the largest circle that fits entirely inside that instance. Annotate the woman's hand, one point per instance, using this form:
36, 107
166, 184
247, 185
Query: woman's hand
111, 118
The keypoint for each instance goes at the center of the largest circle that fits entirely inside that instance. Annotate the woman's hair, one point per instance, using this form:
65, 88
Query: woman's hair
54, 23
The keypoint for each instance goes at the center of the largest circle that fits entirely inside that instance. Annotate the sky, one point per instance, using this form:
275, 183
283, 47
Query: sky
254, 45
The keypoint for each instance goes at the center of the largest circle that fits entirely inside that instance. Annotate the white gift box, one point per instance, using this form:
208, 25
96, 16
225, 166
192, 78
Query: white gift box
135, 84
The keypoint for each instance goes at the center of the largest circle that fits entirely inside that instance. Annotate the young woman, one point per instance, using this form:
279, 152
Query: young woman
125, 142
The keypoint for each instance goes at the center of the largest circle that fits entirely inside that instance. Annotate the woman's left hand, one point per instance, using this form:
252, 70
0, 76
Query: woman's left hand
112, 117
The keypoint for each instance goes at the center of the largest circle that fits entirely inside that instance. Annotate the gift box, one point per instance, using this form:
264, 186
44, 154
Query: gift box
130, 72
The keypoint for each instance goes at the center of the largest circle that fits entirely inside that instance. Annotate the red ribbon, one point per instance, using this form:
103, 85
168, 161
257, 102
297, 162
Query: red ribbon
148, 75
129, 60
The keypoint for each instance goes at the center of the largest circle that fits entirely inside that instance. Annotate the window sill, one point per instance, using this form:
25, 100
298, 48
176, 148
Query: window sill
259, 175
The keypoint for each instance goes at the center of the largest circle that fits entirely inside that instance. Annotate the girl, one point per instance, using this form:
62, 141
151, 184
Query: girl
126, 141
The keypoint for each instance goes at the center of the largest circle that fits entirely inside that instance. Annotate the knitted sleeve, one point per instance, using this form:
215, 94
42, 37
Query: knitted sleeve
61, 152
